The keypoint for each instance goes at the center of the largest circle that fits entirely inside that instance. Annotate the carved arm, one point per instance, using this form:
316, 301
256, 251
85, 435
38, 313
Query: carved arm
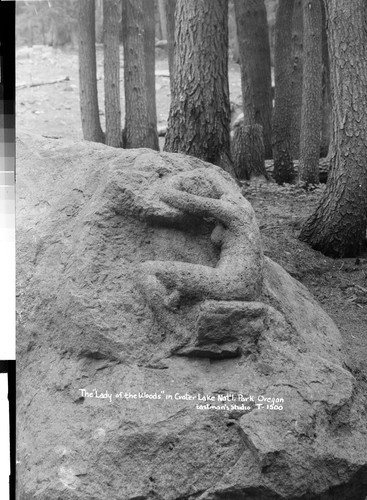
198, 205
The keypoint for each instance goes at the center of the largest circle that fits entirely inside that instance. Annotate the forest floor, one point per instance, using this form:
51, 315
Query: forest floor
340, 285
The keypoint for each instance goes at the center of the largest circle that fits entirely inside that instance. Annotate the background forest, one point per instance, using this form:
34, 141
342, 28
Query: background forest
270, 123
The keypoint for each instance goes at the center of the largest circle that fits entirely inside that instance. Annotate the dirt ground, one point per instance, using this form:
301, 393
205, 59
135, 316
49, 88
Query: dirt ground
340, 285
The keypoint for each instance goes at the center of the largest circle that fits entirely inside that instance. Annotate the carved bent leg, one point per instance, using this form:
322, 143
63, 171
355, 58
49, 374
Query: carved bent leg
169, 280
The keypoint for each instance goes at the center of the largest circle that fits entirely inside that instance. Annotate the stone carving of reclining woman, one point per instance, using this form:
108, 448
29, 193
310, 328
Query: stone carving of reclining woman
238, 272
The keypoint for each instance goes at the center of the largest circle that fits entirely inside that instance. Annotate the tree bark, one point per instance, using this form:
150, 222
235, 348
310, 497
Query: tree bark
282, 117
338, 226
248, 151
199, 117
297, 75
311, 93
326, 97
89, 111
162, 18
254, 50
138, 130
111, 51
149, 50
170, 14
236, 50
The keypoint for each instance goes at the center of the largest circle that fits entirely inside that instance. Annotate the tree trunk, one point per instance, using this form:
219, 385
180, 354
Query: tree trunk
170, 13
311, 93
199, 116
111, 51
338, 226
236, 50
138, 131
297, 82
149, 50
88, 73
99, 21
326, 96
248, 151
162, 18
282, 117
254, 49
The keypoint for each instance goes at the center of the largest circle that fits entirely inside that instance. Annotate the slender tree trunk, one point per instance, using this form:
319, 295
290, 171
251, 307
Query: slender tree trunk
338, 226
311, 93
170, 12
199, 116
297, 74
88, 73
138, 132
236, 49
162, 18
99, 19
111, 51
254, 49
326, 96
282, 117
149, 50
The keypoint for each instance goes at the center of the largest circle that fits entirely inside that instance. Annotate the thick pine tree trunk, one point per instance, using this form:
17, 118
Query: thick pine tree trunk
282, 116
338, 226
149, 49
297, 74
111, 51
89, 111
199, 117
254, 50
311, 93
170, 14
138, 132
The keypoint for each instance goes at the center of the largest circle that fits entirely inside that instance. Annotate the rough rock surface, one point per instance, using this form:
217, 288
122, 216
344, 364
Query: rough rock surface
106, 241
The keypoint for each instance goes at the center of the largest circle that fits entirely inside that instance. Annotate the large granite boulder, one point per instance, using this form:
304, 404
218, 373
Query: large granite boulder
160, 354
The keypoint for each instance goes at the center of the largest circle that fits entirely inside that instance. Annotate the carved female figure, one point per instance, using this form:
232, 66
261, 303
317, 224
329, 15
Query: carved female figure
238, 272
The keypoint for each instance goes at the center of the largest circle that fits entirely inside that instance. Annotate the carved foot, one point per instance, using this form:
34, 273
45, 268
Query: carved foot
172, 301
226, 329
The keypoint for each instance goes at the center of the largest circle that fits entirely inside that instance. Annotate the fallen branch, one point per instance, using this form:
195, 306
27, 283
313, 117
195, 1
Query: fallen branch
39, 84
